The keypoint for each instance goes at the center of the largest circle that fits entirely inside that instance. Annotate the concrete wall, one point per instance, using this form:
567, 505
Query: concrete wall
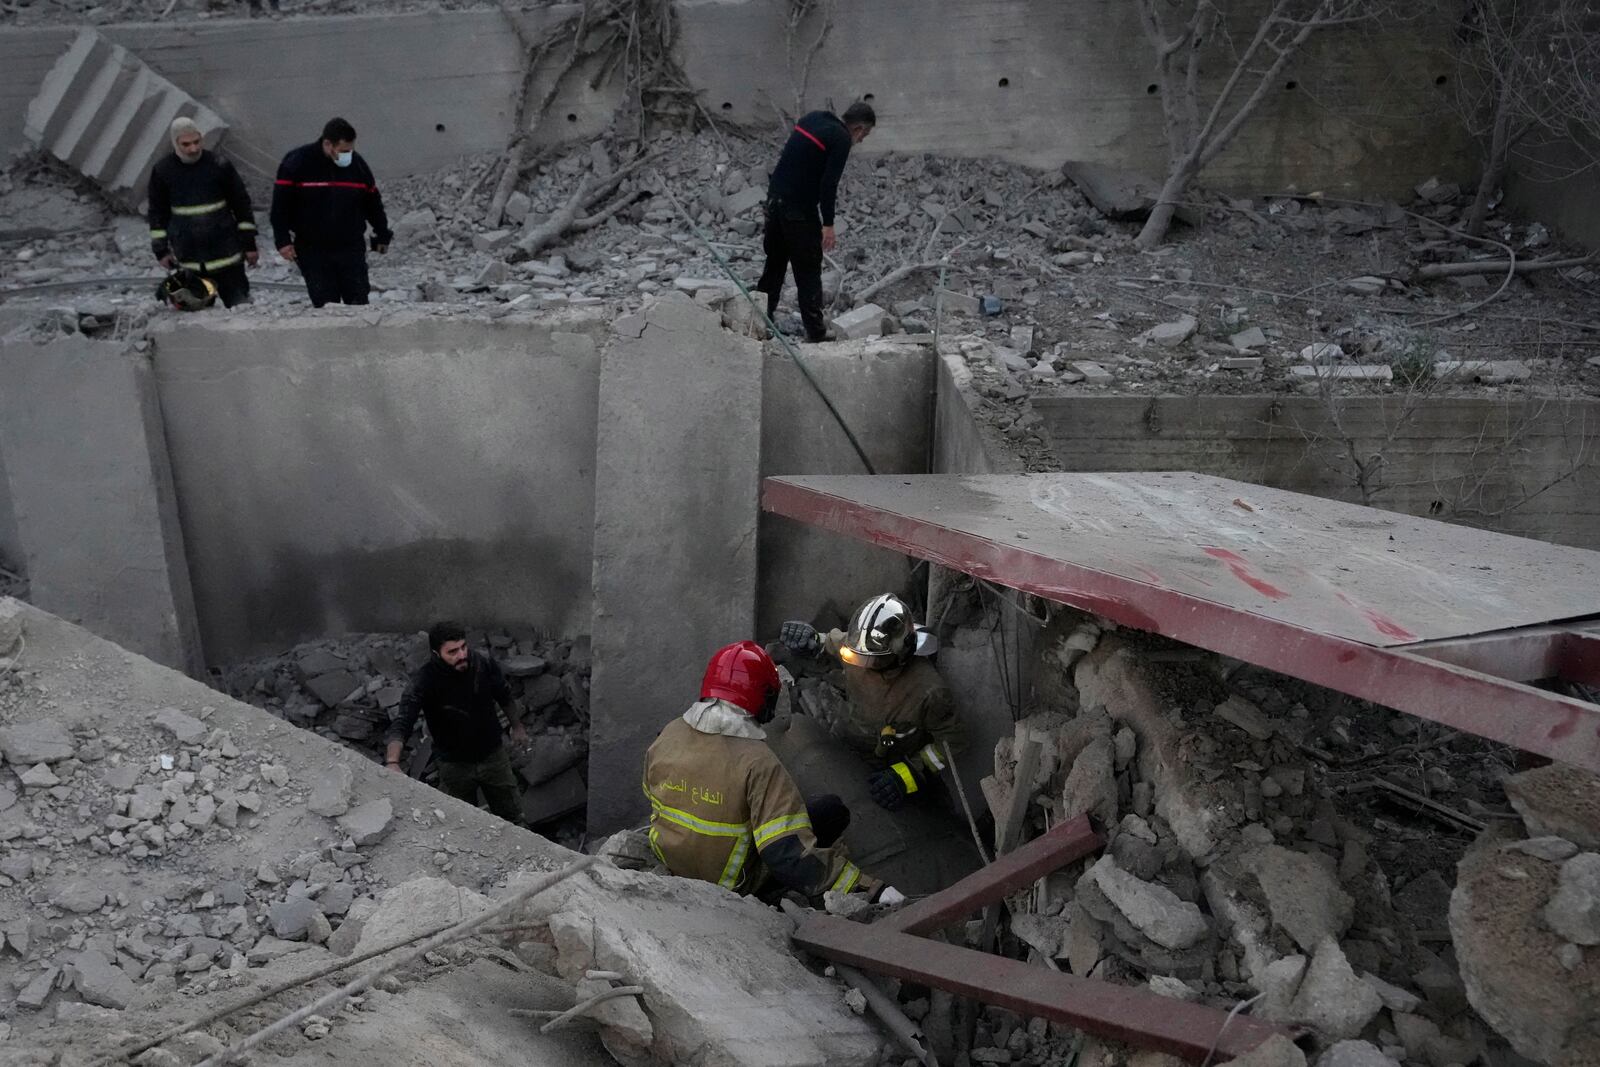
1042, 82
10, 541
987, 660
1364, 113
358, 471
884, 391
87, 480
674, 531
1517, 466
423, 89
1561, 194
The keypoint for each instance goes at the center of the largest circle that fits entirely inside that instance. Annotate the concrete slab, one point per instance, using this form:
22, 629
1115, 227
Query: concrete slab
721, 985
92, 498
371, 471
677, 470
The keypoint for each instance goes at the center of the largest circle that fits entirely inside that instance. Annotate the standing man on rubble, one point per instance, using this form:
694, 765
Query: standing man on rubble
901, 716
200, 215
803, 184
461, 691
324, 199
724, 810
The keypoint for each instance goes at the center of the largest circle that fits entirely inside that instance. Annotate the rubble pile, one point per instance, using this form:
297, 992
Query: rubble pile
345, 689
1237, 870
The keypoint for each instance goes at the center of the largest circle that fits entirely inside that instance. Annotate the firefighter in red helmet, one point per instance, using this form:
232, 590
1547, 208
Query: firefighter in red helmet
723, 809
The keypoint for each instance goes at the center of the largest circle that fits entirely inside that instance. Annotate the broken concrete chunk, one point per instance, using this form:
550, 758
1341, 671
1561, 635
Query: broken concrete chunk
291, 918
1394, 998
11, 610
1154, 910
1245, 340
37, 991
80, 896
333, 688
1246, 716
39, 776
858, 323
368, 822
1169, 334
100, 982
185, 729
1117, 193
1303, 894
330, 793
41, 741
1275, 1051
1091, 785
1332, 998
1558, 801
1093, 373
412, 907
954, 303
747, 199
1574, 912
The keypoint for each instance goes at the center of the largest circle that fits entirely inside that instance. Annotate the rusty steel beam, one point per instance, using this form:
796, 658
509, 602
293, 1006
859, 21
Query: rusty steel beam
1403, 676
1064, 843
1123, 1013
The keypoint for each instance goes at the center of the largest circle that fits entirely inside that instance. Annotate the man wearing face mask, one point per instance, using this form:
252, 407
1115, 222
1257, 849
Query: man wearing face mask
322, 204
200, 215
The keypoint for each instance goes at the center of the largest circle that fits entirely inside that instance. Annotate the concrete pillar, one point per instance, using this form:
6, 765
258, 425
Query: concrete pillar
677, 479
87, 474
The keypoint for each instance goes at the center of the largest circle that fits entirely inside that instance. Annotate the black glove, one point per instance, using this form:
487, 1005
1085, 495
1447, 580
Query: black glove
800, 638
888, 787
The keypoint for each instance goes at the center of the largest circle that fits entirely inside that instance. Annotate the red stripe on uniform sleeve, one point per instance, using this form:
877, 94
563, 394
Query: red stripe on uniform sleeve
808, 136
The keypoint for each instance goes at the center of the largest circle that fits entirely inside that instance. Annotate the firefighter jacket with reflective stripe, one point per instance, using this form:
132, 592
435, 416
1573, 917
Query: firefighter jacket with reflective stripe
902, 717
318, 204
200, 212
723, 810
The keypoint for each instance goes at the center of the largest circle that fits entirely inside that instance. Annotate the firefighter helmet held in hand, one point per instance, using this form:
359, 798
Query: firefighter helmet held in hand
883, 634
745, 675
187, 290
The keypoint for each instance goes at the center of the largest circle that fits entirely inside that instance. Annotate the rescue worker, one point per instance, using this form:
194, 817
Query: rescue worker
200, 215
804, 184
724, 810
461, 691
324, 200
901, 716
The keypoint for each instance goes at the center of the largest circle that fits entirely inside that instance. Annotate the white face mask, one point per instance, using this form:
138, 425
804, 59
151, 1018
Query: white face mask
343, 159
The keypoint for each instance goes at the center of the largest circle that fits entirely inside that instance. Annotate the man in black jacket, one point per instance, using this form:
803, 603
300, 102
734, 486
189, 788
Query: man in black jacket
323, 201
460, 692
804, 183
200, 214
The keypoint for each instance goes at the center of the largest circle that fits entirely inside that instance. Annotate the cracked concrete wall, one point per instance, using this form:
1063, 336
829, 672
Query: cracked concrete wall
88, 483
423, 89
371, 471
1042, 82
10, 540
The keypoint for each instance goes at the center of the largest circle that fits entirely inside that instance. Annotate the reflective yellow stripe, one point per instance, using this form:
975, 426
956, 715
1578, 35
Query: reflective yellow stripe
732, 870
215, 264
248, 226
930, 756
906, 776
769, 831
157, 234
847, 879
655, 846
200, 209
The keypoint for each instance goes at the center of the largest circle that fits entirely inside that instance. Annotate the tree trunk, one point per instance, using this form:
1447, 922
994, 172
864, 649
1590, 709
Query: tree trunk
1494, 169
1160, 220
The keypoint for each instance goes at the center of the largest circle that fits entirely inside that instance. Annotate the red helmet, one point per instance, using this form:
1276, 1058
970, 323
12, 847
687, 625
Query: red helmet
745, 675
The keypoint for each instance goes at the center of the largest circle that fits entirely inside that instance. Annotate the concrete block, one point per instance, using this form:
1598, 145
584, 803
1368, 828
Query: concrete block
1093, 373
955, 303
1116, 192
101, 111
746, 199
675, 521
1485, 371
561, 795
858, 323
86, 473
